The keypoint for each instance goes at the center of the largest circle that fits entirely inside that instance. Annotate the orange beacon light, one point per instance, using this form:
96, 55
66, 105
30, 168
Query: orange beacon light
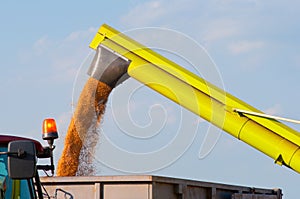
50, 131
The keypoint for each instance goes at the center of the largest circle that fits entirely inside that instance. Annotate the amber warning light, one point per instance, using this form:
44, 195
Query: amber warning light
49, 131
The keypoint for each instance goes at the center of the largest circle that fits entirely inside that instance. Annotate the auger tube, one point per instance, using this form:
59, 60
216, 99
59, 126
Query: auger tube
269, 136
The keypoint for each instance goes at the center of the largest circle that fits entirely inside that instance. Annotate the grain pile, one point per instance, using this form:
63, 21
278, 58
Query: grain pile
82, 137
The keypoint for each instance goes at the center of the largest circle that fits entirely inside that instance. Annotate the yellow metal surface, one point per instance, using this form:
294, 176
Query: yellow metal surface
204, 99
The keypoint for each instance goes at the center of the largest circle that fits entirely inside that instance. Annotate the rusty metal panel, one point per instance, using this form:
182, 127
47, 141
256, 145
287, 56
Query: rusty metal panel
194, 192
164, 190
127, 191
253, 196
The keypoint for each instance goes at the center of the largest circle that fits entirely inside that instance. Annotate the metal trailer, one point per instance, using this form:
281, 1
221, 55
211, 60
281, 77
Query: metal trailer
149, 187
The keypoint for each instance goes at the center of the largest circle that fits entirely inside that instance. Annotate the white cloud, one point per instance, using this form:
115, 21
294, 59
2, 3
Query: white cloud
77, 35
219, 29
191, 16
41, 45
158, 12
60, 57
274, 110
144, 14
245, 46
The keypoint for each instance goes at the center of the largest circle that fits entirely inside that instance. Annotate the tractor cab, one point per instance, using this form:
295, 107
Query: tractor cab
19, 177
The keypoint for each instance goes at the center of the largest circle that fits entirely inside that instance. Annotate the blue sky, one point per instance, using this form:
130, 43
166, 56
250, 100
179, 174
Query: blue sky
254, 45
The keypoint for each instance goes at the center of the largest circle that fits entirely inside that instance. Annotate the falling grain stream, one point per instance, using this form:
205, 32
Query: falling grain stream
76, 157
